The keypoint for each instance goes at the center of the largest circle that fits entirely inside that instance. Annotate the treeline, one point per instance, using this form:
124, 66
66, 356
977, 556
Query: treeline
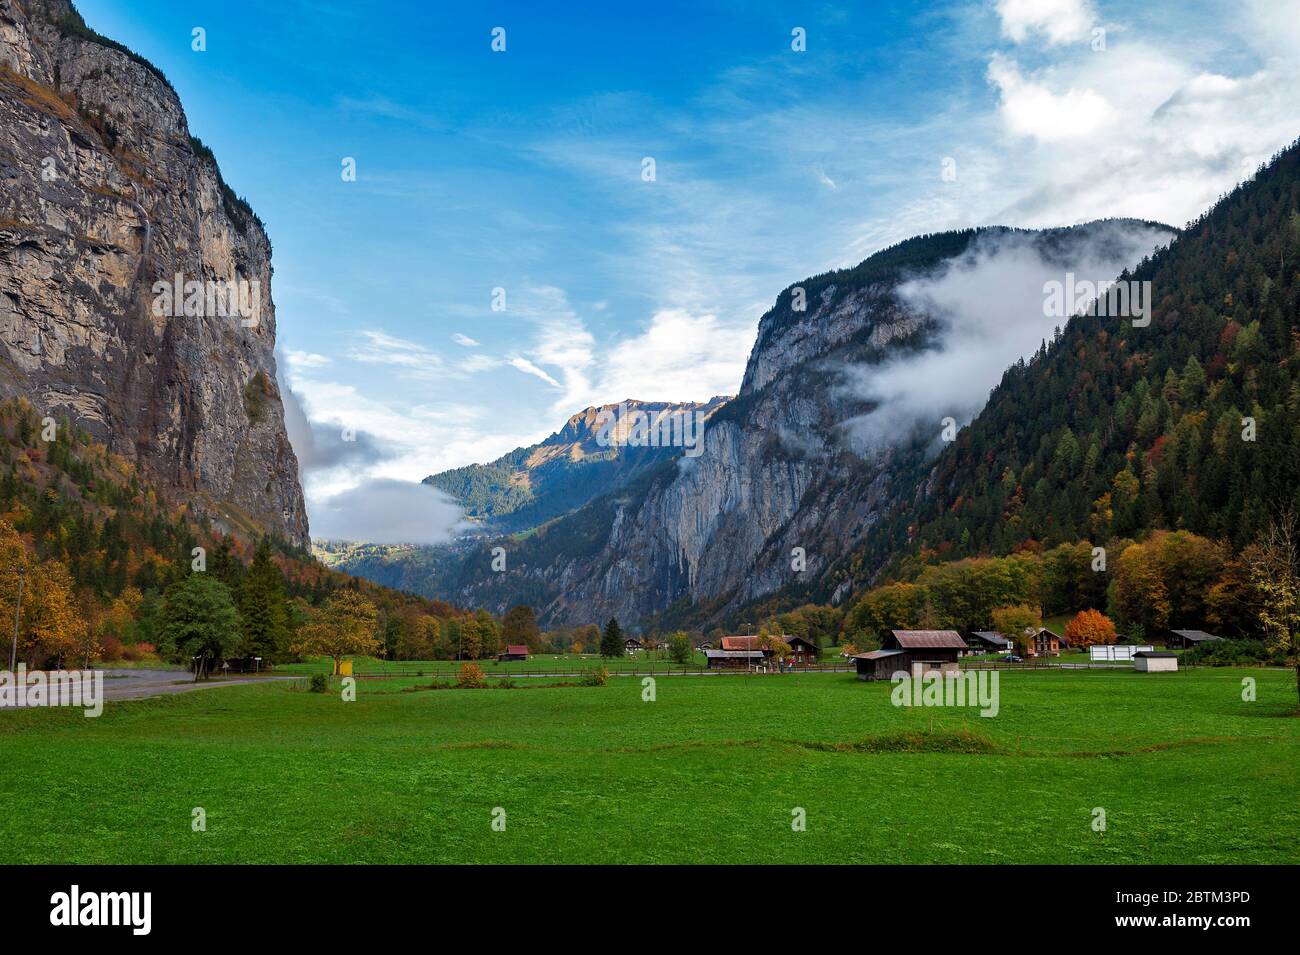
1171, 580
107, 566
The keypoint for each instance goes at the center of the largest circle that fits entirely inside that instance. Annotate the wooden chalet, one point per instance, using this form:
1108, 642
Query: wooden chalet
988, 641
908, 650
802, 652
515, 651
1045, 643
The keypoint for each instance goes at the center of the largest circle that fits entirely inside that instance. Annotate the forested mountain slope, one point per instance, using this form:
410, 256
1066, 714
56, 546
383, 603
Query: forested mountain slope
1113, 430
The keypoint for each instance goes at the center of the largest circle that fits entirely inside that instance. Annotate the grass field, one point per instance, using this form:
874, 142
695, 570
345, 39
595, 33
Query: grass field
710, 772
537, 662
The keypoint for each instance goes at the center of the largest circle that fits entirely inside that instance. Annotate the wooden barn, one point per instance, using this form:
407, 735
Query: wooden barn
733, 659
905, 650
516, 651
1186, 639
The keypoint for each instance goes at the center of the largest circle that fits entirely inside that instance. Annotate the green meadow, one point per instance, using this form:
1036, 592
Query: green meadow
711, 771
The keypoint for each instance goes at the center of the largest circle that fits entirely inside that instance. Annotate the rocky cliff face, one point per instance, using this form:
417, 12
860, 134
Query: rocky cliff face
787, 487
104, 195
596, 452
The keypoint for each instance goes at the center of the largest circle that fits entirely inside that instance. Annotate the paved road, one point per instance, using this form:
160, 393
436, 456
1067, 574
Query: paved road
139, 684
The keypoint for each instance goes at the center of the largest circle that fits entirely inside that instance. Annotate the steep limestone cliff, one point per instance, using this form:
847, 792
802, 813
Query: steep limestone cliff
103, 193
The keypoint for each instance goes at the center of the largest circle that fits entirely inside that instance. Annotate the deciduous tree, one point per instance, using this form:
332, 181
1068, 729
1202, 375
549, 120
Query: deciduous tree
345, 625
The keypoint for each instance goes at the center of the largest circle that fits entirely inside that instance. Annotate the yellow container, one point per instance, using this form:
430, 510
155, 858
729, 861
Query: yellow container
345, 668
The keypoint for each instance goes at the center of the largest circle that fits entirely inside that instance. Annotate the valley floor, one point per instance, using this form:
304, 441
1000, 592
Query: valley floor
711, 771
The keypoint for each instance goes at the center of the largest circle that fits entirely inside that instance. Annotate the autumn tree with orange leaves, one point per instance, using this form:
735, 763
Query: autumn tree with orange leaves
1090, 628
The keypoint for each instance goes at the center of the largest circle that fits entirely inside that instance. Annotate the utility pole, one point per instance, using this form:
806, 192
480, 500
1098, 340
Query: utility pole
18, 609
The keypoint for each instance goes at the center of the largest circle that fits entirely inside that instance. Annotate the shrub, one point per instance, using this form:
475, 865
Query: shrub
1230, 653
110, 648
319, 683
140, 651
596, 676
471, 677
506, 684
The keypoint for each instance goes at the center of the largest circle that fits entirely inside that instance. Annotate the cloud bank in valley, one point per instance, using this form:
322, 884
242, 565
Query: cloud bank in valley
988, 302
386, 511
375, 510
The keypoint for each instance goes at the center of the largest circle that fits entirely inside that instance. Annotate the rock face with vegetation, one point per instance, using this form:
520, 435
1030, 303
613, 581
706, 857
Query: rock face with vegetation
530, 486
105, 193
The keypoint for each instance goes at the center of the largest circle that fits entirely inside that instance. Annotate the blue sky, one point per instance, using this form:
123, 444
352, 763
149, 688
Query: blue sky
523, 170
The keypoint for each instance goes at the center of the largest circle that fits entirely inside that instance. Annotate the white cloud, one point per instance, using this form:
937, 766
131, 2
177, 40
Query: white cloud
528, 368
465, 340
380, 348
1031, 109
560, 341
990, 302
678, 357
1060, 21
387, 512
304, 359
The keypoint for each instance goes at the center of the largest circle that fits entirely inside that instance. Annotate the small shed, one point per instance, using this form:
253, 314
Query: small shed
1186, 639
879, 664
516, 651
1151, 661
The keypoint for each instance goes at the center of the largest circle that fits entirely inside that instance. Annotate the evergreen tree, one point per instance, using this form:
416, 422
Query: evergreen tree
263, 613
611, 639
225, 566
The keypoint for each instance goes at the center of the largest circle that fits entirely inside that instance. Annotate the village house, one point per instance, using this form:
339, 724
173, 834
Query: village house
802, 652
631, 645
1187, 639
1046, 643
906, 650
516, 651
